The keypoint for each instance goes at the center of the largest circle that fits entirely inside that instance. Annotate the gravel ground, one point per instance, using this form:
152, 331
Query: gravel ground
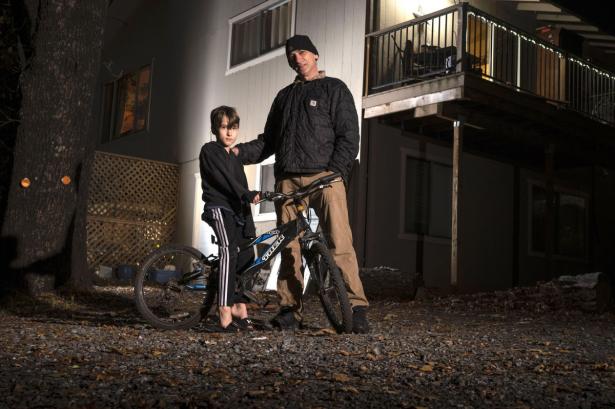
453, 352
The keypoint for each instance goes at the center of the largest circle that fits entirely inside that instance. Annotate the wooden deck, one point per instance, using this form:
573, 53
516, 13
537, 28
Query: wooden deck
500, 121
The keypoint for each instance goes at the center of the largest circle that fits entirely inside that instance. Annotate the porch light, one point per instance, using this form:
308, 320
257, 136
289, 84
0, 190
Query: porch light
25, 183
66, 180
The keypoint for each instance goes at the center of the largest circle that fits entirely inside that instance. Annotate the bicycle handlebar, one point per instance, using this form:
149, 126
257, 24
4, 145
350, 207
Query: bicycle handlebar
318, 184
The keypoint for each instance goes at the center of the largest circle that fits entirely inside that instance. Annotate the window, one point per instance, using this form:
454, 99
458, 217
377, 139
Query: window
203, 236
260, 31
426, 207
126, 104
569, 222
265, 181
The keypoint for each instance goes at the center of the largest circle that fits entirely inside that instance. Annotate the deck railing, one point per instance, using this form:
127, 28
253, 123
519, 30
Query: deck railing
432, 46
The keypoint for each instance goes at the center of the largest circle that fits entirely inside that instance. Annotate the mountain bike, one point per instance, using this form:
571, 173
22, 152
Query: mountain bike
177, 285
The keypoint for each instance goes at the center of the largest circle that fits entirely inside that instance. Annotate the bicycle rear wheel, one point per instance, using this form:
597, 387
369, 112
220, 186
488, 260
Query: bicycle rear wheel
331, 289
175, 287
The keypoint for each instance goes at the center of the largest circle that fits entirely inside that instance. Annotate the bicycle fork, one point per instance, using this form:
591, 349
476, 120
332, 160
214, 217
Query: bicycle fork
306, 242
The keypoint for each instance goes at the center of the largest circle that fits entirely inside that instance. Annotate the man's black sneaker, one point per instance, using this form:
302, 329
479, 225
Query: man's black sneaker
285, 320
360, 325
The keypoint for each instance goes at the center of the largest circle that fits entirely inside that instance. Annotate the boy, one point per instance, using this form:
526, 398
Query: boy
227, 210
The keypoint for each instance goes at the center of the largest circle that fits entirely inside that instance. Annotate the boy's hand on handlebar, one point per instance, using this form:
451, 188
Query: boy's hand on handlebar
257, 198
270, 196
265, 196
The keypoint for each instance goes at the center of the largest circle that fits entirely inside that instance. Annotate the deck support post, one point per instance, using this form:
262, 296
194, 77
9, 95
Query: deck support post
455, 196
549, 209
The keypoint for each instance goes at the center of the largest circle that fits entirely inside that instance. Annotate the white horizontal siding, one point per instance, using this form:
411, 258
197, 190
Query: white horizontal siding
336, 28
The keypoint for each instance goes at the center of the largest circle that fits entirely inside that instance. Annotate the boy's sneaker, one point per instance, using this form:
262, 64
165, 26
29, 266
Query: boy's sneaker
254, 324
360, 325
231, 328
245, 324
285, 320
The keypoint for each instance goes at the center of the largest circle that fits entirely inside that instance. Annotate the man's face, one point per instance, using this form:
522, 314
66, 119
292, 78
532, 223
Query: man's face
304, 63
227, 135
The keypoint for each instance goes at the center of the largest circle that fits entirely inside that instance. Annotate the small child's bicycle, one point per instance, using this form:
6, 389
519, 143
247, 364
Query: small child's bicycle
177, 285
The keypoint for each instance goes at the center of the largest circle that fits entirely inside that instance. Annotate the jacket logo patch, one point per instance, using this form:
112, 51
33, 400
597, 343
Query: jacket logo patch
313, 103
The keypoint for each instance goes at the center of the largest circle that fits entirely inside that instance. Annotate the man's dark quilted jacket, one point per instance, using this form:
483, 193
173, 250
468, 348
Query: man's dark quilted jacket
312, 127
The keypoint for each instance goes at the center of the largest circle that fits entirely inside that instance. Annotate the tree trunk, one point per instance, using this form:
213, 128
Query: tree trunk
54, 144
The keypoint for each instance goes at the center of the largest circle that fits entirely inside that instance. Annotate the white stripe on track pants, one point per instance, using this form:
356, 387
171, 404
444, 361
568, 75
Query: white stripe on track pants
229, 234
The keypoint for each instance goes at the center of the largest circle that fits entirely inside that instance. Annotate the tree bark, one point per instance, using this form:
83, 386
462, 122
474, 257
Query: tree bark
54, 144
12, 56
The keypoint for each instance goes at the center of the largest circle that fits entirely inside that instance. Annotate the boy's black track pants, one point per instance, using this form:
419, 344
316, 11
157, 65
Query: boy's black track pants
230, 235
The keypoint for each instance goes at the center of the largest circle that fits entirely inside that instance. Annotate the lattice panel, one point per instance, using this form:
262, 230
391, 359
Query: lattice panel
132, 208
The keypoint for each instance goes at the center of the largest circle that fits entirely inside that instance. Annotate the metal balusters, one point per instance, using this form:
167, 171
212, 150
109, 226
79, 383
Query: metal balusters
425, 47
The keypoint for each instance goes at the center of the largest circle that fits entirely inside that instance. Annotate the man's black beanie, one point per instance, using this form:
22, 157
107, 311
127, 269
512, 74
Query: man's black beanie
299, 42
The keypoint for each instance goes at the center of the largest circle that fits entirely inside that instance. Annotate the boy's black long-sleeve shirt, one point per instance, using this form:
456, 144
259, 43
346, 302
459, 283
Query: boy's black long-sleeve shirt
224, 181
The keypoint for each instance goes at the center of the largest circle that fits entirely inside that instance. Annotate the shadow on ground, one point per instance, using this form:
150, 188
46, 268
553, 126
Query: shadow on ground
111, 305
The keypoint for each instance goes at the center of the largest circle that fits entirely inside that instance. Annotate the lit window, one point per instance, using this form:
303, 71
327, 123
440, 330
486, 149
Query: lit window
259, 31
126, 104
427, 192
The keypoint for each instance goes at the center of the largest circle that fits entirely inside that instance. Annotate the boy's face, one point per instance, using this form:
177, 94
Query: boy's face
227, 135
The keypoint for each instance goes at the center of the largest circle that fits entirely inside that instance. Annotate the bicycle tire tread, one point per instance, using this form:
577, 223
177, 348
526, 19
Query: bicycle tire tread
340, 287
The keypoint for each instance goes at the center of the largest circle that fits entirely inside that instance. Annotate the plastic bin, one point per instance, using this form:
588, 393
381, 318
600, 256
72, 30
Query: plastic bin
163, 276
125, 272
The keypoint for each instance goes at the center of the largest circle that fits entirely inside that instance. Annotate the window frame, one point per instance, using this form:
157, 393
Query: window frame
198, 224
428, 157
269, 4
557, 188
258, 216
108, 125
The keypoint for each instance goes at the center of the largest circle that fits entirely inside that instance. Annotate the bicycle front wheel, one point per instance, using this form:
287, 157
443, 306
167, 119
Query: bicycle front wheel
175, 287
331, 289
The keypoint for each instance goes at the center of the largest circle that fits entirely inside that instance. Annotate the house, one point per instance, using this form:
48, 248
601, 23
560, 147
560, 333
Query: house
487, 128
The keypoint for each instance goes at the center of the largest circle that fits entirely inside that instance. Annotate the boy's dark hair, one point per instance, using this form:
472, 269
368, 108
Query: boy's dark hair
217, 114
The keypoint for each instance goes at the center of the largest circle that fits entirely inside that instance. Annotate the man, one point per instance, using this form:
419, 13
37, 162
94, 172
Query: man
313, 130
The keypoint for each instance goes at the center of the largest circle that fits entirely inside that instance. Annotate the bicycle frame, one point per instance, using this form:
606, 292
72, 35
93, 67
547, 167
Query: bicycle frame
283, 236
